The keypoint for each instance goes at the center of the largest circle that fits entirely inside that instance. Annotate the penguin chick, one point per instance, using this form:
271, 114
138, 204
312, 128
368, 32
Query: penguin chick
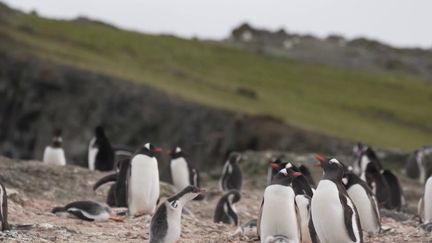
87, 210
165, 226
54, 153
225, 211
231, 174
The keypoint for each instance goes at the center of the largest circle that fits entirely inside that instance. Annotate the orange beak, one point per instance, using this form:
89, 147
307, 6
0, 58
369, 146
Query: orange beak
296, 174
157, 149
275, 165
319, 158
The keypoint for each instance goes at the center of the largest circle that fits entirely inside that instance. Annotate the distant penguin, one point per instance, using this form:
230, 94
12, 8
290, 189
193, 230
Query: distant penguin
225, 210
231, 178
396, 194
100, 152
54, 153
182, 173
334, 215
417, 167
3, 209
87, 210
143, 181
378, 185
278, 210
364, 156
165, 226
365, 202
425, 205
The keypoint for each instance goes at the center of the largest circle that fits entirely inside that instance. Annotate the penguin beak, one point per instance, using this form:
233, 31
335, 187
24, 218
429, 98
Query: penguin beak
168, 152
274, 165
157, 150
297, 174
319, 158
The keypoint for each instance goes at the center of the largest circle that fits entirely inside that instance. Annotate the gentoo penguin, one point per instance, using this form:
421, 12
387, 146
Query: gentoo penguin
3, 209
117, 194
417, 163
87, 210
300, 184
396, 195
306, 173
275, 165
143, 181
334, 215
278, 210
182, 173
225, 211
165, 226
365, 202
100, 152
231, 178
54, 153
308, 234
364, 156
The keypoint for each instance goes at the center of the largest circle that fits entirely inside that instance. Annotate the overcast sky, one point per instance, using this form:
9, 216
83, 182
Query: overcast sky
398, 22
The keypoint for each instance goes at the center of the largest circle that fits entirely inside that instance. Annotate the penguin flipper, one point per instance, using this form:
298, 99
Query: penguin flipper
79, 214
259, 219
348, 214
420, 209
105, 179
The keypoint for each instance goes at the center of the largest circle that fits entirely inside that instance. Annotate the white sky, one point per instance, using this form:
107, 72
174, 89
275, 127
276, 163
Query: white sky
398, 22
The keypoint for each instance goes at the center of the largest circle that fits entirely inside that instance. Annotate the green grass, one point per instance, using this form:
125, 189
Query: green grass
387, 110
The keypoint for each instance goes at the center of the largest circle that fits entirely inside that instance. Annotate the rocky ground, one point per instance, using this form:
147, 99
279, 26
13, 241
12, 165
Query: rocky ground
34, 189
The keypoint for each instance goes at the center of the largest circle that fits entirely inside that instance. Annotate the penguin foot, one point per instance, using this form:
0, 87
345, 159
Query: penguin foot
116, 219
139, 214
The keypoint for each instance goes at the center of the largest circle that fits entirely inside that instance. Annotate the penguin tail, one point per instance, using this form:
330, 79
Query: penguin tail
21, 226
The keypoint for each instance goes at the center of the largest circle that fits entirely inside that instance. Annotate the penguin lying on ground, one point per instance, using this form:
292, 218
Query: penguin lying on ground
334, 215
365, 202
231, 178
87, 210
278, 210
54, 153
225, 211
182, 173
165, 226
3, 209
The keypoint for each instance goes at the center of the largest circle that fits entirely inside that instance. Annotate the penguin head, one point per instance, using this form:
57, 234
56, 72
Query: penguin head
233, 196
333, 169
187, 194
234, 158
290, 165
57, 139
99, 131
175, 152
285, 177
149, 150
277, 163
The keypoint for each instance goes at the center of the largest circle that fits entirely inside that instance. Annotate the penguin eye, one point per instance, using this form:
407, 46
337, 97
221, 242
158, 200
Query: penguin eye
174, 204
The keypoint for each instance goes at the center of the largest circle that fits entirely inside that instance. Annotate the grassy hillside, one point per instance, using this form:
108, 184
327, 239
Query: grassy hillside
382, 109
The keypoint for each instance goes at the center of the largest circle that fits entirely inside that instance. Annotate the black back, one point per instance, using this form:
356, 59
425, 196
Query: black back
225, 217
4, 212
159, 224
306, 173
375, 179
194, 179
90, 207
121, 184
395, 190
232, 180
104, 160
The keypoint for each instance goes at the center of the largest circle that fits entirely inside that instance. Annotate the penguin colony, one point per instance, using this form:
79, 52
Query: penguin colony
293, 209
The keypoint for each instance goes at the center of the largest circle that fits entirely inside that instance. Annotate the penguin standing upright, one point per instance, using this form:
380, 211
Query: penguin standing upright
300, 184
417, 163
100, 152
180, 170
231, 178
225, 211
143, 181
276, 164
425, 205
165, 226
278, 210
334, 215
54, 153
3, 209
365, 202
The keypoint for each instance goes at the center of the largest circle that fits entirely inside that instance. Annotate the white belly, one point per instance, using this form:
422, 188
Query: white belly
427, 201
180, 173
174, 224
100, 217
304, 214
143, 185
278, 213
54, 156
328, 215
365, 208
92, 152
